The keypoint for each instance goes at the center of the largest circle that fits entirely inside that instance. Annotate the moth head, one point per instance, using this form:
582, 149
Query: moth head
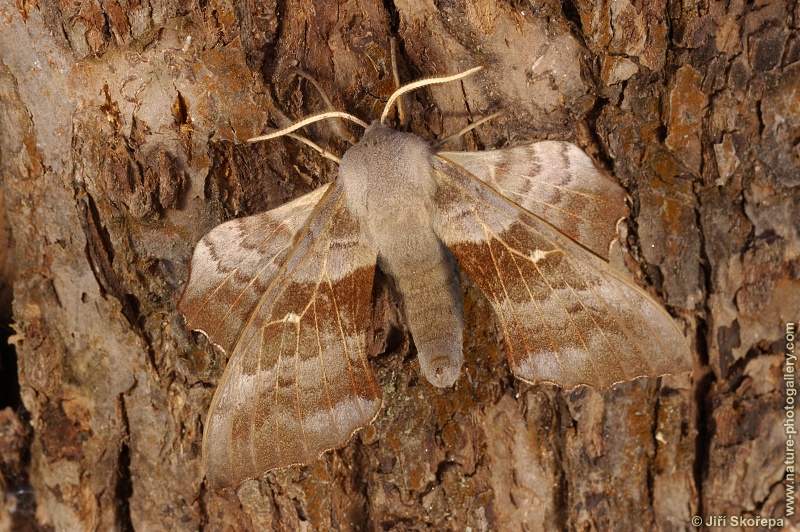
383, 150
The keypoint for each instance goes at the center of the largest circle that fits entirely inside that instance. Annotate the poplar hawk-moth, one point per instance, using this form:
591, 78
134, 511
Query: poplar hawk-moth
287, 293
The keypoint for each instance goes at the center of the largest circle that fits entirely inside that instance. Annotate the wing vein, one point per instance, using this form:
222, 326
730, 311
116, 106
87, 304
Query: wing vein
230, 276
282, 271
277, 390
625, 330
597, 198
553, 294
297, 384
322, 360
489, 233
255, 403
571, 214
350, 372
547, 328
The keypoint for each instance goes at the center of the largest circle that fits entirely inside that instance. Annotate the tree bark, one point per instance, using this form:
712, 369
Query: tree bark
122, 142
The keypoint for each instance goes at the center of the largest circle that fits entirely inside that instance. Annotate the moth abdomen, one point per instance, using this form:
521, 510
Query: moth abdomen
430, 294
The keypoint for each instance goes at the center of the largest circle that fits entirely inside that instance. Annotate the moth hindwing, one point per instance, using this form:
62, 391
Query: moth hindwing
287, 293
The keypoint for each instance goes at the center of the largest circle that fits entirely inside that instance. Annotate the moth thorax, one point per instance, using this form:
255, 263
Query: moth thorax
387, 169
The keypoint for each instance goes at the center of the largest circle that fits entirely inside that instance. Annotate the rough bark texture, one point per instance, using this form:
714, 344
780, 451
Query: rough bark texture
121, 142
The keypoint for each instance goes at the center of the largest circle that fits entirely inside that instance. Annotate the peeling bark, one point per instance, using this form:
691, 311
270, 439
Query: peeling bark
122, 142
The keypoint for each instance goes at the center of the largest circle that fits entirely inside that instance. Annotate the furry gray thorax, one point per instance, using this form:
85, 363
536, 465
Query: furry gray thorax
386, 171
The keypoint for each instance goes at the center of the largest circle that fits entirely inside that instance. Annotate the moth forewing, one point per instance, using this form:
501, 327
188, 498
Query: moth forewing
557, 182
235, 263
568, 317
298, 382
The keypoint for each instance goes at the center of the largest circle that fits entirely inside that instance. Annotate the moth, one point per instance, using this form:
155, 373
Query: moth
287, 293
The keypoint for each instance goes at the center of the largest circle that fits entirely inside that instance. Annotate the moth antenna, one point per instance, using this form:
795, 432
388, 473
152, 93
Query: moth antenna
317, 86
309, 120
466, 130
401, 113
423, 83
339, 124
322, 151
